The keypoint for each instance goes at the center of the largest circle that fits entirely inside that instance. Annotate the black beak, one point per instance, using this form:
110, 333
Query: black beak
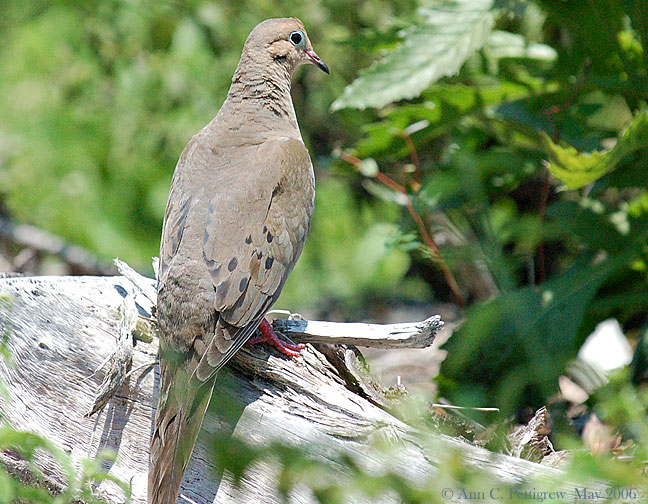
318, 61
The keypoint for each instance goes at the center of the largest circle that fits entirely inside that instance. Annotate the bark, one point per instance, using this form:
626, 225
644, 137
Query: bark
72, 338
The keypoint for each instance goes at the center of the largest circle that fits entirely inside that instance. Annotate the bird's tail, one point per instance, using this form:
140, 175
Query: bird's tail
180, 413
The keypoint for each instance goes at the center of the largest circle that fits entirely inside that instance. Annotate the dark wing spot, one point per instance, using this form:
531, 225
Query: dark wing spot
169, 424
183, 220
211, 264
176, 230
232, 264
222, 287
269, 261
265, 229
248, 240
243, 284
270, 237
259, 254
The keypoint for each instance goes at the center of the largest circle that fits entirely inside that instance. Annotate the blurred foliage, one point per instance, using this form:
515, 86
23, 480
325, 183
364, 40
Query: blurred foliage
99, 99
557, 91
33, 449
579, 169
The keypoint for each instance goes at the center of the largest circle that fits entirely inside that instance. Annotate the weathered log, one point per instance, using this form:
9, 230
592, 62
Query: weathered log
62, 329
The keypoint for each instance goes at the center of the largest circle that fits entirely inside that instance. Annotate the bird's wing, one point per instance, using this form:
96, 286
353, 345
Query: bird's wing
253, 236
179, 206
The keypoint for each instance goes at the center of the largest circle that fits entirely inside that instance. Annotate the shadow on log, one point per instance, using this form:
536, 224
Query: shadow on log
72, 338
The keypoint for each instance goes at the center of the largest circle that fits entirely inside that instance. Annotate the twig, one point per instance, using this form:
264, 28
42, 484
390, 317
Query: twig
542, 272
406, 335
142, 366
436, 253
468, 408
146, 286
121, 358
413, 156
42, 241
99, 368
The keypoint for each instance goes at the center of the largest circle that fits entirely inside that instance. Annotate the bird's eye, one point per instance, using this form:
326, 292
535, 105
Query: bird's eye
296, 38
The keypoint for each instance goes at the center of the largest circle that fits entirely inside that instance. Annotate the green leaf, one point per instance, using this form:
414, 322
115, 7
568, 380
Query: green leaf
576, 169
444, 106
449, 34
519, 343
639, 18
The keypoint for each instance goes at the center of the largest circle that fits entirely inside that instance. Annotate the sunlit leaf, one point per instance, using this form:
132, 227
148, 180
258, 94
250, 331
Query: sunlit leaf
449, 34
368, 167
513, 45
577, 169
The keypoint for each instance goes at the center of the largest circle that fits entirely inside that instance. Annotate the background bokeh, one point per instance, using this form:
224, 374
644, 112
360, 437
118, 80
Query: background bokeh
99, 99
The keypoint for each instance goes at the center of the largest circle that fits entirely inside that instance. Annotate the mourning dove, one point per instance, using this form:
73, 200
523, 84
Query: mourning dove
238, 213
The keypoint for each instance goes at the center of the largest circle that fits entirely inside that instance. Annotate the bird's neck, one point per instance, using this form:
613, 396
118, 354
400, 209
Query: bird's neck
257, 89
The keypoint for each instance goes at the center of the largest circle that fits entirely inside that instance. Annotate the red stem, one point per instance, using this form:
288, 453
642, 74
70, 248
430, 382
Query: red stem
436, 253
413, 156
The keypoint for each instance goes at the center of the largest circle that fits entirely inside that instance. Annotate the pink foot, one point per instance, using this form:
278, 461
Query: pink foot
269, 336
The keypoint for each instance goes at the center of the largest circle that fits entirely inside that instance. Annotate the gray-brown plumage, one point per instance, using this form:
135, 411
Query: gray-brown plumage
238, 213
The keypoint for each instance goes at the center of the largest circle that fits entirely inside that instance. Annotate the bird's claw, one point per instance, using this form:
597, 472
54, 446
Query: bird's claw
269, 336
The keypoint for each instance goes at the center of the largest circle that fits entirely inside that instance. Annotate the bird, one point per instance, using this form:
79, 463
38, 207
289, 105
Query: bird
239, 210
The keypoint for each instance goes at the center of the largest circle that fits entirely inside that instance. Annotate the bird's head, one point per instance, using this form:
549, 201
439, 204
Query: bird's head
282, 41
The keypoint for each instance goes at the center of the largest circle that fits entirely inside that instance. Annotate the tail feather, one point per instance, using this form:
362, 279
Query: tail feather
180, 413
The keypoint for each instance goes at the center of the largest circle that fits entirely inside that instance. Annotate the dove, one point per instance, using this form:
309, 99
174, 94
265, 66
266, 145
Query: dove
238, 213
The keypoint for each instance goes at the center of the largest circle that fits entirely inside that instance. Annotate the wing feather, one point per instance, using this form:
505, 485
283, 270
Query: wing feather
248, 264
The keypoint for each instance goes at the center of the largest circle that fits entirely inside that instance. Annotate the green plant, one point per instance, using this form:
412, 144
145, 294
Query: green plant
479, 160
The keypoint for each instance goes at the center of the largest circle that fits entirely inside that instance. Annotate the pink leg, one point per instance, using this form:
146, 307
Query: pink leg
269, 336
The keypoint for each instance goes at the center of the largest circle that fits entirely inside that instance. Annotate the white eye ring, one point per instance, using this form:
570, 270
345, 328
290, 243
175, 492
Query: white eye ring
296, 38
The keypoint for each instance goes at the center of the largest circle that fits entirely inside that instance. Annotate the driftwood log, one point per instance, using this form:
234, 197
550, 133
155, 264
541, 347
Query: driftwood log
71, 344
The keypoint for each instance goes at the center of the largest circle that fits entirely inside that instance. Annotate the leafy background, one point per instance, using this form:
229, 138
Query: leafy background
492, 155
